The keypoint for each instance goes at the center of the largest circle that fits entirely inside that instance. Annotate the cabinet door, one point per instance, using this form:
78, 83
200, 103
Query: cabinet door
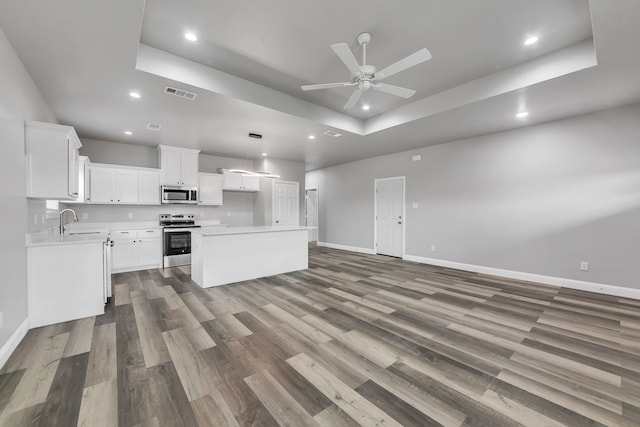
251, 183
210, 189
124, 254
127, 186
47, 160
231, 181
189, 169
149, 252
102, 185
171, 164
149, 188
74, 167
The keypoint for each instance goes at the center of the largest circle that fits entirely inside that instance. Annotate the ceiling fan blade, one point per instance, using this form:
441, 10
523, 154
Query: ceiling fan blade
394, 90
414, 59
354, 99
346, 56
327, 85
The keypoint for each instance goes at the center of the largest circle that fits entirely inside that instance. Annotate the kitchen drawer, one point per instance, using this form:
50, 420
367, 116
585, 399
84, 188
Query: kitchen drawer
150, 233
123, 234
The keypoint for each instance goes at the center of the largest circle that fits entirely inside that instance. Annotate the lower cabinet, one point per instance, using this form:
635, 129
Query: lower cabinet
136, 249
65, 282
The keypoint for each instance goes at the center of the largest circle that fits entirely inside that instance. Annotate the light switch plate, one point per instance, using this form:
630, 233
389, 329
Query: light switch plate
85, 215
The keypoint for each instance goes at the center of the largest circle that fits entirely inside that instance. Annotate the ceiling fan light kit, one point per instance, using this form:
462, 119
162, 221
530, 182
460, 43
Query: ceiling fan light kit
366, 76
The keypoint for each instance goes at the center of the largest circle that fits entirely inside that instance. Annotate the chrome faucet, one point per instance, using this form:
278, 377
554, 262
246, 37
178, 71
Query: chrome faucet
75, 219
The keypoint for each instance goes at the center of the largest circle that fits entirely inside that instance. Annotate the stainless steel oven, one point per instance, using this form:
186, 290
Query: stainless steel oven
179, 195
176, 237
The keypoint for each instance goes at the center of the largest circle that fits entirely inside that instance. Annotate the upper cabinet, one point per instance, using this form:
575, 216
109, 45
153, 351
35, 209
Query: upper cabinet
52, 161
210, 189
179, 166
109, 184
238, 182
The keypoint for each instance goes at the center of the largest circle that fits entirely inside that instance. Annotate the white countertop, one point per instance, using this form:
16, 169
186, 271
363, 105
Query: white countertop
46, 239
218, 231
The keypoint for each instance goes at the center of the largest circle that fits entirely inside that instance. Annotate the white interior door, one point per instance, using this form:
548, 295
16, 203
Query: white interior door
311, 213
286, 204
389, 216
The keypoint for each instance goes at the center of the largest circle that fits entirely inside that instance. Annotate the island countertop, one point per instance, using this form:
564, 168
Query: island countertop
219, 231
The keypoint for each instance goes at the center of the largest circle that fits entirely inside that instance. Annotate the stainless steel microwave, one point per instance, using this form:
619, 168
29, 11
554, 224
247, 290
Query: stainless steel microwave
179, 195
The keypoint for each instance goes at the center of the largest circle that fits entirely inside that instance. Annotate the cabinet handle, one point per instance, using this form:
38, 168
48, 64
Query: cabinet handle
150, 231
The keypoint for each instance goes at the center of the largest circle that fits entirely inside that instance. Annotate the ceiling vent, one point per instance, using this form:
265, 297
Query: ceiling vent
332, 133
154, 127
179, 92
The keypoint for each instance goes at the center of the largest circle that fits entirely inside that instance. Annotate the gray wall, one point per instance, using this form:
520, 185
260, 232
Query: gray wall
538, 199
20, 100
288, 171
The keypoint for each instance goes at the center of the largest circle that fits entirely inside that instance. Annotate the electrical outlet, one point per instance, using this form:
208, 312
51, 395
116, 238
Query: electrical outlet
85, 216
433, 248
201, 214
415, 206
228, 213
130, 215
584, 266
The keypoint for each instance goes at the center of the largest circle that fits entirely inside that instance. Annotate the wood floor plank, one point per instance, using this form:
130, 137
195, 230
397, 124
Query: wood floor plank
99, 405
357, 407
154, 349
80, 337
65, 394
102, 365
284, 408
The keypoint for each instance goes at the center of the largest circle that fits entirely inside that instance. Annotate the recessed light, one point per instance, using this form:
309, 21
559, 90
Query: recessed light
365, 107
312, 137
128, 132
264, 154
135, 95
522, 114
191, 37
531, 40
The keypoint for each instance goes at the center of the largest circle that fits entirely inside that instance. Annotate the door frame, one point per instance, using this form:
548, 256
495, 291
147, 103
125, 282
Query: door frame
375, 211
273, 199
317, 190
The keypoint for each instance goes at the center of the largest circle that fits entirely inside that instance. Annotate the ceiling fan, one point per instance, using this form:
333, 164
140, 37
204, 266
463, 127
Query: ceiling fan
366, 77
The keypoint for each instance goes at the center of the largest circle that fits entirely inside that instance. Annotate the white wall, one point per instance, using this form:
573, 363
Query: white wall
20, 100
537, 200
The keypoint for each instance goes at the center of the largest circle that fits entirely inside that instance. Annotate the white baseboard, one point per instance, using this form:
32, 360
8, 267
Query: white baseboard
9, 347
347, 248
600, 288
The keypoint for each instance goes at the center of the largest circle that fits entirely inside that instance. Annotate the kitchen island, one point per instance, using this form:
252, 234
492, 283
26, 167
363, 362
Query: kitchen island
226, 255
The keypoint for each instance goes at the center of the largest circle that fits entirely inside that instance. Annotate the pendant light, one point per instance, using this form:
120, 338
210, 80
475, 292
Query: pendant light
260, 174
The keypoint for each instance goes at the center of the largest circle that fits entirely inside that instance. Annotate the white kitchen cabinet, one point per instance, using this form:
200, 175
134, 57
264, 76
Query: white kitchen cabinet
149, 188
210, 189
65, 282
179, 166
111, 184
83, 180
126, 186
52, 161
239, 182
136, 249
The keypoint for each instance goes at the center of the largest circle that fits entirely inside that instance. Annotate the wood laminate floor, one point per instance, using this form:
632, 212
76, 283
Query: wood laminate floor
354, 340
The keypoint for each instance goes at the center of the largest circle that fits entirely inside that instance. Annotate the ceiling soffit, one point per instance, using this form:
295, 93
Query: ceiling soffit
571, 59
